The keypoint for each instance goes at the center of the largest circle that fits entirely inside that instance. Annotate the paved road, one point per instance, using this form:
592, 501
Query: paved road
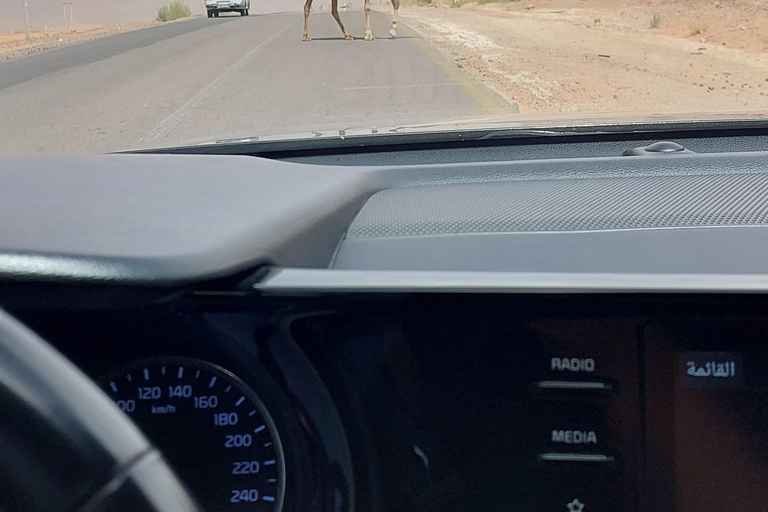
230, 76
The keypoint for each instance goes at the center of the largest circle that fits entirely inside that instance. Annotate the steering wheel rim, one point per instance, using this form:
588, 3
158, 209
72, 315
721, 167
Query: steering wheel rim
64, 446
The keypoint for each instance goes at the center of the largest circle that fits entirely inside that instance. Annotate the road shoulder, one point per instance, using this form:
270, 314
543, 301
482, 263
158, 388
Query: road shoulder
14, 46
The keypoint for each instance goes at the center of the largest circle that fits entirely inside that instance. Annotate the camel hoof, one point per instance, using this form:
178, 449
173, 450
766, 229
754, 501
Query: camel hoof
369, 37
393, 33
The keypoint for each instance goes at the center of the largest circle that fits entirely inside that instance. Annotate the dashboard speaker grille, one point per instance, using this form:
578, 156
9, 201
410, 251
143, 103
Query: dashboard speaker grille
566, 205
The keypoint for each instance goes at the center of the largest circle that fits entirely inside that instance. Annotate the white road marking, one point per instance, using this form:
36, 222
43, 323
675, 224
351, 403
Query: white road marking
260, 429
167, 125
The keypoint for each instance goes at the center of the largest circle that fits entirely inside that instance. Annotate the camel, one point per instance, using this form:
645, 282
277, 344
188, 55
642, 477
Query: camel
347, 36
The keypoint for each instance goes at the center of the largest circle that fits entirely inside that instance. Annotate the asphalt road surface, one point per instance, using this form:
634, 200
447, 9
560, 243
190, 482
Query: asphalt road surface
208, 79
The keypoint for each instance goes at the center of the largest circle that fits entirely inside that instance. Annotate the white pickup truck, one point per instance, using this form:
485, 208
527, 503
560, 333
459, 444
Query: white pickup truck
214, 7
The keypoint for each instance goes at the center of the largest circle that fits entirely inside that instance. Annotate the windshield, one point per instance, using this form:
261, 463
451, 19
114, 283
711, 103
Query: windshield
94, 76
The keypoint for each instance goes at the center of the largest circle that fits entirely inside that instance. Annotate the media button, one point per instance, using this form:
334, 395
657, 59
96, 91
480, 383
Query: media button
574, 437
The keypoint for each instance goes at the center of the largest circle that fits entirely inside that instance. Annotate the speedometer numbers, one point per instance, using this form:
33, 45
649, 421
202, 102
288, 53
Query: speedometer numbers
210, 426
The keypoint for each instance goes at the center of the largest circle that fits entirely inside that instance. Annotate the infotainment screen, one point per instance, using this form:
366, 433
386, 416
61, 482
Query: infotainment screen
707, 417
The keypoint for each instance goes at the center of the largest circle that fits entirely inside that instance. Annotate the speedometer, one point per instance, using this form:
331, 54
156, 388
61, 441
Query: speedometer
210, 426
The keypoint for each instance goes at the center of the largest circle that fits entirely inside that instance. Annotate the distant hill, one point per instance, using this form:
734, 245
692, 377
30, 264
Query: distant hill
110, 12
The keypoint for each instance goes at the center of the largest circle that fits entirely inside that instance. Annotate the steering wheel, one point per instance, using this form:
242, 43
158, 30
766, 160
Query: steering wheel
64, 446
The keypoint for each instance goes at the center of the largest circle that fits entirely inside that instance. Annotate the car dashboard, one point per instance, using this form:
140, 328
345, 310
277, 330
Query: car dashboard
566, 334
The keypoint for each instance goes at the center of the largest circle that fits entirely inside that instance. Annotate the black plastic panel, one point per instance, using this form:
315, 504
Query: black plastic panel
459, 403
707, 407
459, 406
493, 403
523, 151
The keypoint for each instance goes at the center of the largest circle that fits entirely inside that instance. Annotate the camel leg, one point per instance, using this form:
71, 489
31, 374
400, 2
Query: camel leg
395, 17
335, 13
368, 33
307, 12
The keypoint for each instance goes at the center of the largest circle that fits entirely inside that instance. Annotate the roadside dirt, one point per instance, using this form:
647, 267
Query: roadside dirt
659, 56
15, 45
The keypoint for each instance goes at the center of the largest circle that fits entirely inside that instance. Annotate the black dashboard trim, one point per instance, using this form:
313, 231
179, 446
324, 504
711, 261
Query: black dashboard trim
433, 138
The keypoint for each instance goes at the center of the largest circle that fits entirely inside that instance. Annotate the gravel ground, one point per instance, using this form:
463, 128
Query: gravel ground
591, 56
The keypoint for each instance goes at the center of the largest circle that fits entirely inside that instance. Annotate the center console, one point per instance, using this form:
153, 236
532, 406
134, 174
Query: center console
569, 404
